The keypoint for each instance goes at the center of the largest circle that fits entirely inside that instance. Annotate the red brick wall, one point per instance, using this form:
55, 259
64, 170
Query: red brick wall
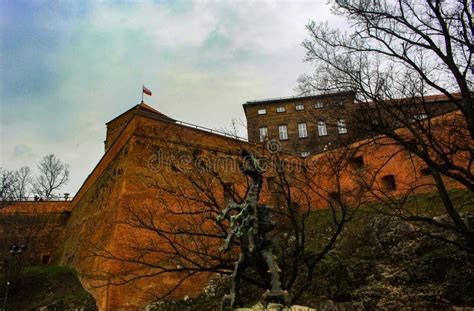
39, 225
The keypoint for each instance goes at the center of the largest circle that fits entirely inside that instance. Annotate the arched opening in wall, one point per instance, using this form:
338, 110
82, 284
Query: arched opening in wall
357, 162
388, 183
45, 260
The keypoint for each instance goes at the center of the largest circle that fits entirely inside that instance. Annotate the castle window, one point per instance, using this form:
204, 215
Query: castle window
341, 126
263, 131
388, 183
283, 132
319, 105
302, 130
299, 107
322, 130
305, 154
419, 117
45, 260
280, 109
357, 162
262, 111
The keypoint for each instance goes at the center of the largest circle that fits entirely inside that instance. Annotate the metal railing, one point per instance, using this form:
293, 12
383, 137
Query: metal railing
206, 129
38, 199
301, 96
286, 98
277, 98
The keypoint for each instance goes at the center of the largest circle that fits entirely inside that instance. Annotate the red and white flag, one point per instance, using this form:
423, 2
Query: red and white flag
146, 91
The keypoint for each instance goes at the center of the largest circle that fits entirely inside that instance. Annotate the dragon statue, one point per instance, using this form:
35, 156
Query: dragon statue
250, 222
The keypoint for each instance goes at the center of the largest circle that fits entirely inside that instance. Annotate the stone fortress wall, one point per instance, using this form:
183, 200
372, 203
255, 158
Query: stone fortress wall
129, 180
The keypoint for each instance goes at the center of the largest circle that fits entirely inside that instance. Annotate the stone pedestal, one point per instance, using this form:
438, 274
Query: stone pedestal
276, 298
275, 307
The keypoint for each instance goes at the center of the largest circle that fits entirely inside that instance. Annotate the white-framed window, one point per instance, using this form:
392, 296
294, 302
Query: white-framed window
339, 103
263, 133
305, 154
281, 109
322, 130
302, 130
299, 107
419, 117
341, 126
283, 132
262, 111
319, 105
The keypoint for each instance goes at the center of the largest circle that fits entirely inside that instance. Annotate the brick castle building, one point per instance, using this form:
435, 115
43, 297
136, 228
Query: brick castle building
310, 124
131, 176
302, 125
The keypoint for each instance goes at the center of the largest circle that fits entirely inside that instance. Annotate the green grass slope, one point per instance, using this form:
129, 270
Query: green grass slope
48, 288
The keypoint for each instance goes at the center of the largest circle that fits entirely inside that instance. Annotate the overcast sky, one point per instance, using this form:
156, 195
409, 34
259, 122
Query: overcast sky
68, 67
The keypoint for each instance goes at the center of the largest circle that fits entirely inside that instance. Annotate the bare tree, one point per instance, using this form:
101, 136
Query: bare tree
24, 181
177, 236
7, 185
235, 129
15, 185
53, 175
397, 54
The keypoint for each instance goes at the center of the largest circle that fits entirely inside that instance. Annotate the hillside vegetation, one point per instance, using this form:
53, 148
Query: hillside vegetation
48, 288
379, 262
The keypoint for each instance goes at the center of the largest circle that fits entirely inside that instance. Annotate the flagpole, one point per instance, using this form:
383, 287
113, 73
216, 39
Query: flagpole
143, 85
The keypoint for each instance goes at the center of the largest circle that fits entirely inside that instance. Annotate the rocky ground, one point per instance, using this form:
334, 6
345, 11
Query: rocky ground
393, 265
380, 263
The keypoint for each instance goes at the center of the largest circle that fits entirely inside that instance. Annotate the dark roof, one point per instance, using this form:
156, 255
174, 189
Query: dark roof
410, 101
145, 109
293, 98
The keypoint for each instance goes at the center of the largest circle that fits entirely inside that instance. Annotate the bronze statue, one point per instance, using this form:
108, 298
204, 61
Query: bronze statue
251, 223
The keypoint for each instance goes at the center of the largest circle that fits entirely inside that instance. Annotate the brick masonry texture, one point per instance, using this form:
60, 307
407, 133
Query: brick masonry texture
127, 181
330, 109
39, 225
